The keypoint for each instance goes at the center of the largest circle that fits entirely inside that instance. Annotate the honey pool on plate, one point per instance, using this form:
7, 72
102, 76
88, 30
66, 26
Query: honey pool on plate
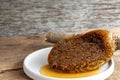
45, 70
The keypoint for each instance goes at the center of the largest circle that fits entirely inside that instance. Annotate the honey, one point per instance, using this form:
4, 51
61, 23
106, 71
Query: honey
45, 70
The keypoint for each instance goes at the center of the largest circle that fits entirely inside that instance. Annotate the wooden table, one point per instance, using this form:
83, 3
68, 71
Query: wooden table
12, 53
14, 50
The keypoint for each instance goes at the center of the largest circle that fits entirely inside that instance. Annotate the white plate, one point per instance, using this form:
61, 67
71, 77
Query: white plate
37, 59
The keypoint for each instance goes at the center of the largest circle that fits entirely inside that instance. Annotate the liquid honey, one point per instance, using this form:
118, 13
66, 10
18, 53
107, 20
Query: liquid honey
45, 70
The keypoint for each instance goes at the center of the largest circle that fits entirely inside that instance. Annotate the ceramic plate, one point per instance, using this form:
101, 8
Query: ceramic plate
37, 59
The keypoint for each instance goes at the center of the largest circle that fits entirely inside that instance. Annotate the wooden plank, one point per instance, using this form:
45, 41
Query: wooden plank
13, 75
13, 50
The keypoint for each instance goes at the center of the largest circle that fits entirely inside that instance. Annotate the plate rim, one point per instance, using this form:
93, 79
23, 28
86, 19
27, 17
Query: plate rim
36, 76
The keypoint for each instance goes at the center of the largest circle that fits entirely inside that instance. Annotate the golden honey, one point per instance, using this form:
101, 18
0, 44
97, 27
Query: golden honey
45, 70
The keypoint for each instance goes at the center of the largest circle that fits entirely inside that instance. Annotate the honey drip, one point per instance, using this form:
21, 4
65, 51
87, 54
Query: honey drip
45, 70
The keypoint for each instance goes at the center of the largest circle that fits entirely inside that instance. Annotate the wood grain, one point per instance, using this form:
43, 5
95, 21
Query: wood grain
14, 50
14, 75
